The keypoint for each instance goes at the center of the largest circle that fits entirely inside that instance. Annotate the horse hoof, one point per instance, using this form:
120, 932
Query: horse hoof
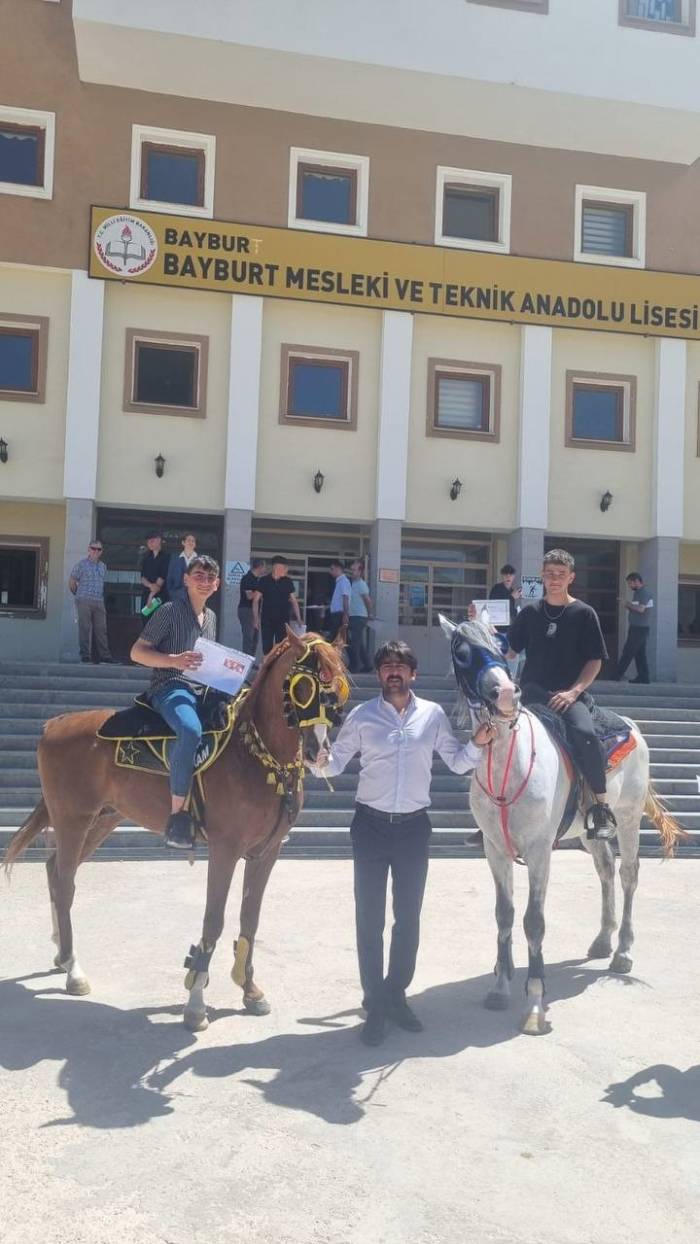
257, 1006
495, 1001
196, 1021
77, 985
601, 948
621, 963
534, 1023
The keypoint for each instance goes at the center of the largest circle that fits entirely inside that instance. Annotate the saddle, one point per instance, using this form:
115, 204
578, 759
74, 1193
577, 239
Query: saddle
614, 733
142, 738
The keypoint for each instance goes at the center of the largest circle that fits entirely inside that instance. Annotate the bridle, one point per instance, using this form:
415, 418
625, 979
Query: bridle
308, 698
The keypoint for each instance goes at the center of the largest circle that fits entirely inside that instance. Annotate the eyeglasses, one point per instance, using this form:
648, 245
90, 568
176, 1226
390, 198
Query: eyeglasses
95, 548
203, 577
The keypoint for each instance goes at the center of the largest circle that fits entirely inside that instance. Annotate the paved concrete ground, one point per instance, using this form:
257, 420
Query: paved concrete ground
116, 1125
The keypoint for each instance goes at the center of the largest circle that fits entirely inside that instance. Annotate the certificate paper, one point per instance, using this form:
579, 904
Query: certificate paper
498, 611
223, 668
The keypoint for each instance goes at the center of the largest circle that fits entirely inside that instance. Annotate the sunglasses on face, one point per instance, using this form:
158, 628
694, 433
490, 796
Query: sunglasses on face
95, 548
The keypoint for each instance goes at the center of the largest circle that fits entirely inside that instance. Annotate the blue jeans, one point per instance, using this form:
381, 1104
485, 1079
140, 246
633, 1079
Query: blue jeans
177, 704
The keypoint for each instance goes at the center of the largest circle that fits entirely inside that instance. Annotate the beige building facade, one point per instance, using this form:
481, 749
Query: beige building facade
433, 349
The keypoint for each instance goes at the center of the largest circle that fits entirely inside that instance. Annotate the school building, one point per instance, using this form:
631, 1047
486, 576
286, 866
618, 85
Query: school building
420, 286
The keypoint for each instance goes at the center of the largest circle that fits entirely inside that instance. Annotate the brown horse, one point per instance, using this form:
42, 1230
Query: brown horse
253, 794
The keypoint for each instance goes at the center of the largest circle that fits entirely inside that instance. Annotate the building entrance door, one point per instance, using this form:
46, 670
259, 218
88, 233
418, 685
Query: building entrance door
310, 549
123, 535
597, 582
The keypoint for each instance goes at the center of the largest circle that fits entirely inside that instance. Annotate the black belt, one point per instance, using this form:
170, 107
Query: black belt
391, 818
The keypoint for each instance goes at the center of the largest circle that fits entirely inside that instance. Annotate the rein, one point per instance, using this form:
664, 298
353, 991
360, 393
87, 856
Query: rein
500, 800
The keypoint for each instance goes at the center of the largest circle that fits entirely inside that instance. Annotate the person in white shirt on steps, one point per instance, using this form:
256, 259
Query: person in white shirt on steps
395, 735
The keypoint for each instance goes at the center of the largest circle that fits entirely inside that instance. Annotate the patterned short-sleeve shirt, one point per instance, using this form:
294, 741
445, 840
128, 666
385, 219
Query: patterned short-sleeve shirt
90, 577
175, 628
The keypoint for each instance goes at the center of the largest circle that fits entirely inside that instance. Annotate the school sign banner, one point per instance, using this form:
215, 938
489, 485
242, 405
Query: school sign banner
147, 248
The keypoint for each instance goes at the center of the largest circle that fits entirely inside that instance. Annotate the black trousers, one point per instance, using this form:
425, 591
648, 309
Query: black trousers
358, 654
635, 649
335, 621
273, 631
580, 732
377, 847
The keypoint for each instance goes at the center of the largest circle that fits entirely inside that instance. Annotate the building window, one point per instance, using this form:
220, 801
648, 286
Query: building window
525, 6
676, 17
610, 226
463, 400
24, 568
600, 410
165, 373
318, 387
23, 351
328, 191
26, 152
172, 169
472, 209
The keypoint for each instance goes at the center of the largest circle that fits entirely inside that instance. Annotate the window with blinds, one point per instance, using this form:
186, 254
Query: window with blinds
655, 10
607, 228
462, 402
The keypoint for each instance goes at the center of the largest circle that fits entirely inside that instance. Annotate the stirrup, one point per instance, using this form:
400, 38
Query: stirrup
600, 822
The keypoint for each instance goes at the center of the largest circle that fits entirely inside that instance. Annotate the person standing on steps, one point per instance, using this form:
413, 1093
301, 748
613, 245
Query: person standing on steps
340, 600
87, 583
274, 602
639, 609
395, 735
249, 584
360, 608
154, 570
177, 567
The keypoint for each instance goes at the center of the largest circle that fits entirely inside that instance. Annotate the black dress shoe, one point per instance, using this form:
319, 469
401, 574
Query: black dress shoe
475, 839
374, 1028
108, 661
401, 1013
179, 831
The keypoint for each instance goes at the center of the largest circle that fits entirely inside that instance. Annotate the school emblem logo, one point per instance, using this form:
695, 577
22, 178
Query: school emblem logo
125, 244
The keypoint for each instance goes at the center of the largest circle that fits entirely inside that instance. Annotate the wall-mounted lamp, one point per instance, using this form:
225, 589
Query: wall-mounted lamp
3, 450
319, 480
455, 489
160, 466
606, 501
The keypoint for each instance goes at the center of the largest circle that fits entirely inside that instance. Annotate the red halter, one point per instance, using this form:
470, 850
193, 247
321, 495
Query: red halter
500, 800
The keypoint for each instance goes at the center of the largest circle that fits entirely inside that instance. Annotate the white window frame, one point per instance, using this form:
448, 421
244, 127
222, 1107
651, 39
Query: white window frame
502, 182
206, 143
637, 200
47, 122
333, 159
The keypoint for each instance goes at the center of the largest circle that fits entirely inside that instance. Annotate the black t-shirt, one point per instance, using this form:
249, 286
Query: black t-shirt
499, 591
557, 642
249, 583
155, 566
275, 598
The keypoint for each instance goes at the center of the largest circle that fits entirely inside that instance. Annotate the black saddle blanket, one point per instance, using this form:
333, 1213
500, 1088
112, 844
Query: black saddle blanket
141, 721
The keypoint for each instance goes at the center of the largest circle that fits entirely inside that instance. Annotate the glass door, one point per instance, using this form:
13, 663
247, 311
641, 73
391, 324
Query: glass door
597, 581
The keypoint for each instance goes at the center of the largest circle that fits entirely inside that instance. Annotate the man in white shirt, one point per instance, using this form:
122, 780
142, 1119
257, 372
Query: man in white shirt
340, 600
360, 605
396, 735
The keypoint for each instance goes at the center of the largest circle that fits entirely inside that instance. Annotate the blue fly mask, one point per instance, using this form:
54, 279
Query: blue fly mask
477, 655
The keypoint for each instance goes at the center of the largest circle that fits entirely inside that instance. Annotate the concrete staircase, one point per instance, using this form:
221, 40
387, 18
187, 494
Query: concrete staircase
668, 714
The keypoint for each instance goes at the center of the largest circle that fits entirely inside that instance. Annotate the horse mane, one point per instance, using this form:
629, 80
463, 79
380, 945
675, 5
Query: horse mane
480, 636
332, 666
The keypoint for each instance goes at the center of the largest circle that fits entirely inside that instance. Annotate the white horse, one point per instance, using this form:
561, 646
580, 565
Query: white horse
519, 792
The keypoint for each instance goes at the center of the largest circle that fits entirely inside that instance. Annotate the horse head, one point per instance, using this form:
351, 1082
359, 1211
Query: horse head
316, 689
480, 667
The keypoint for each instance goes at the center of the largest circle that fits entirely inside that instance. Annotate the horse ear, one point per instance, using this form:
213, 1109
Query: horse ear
295, 642
448, 627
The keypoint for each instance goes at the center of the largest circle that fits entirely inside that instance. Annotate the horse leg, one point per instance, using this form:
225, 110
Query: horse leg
604, 860
498, 997
628, 844
534, 1021
99, 830
222, 861
61, 869
255, 878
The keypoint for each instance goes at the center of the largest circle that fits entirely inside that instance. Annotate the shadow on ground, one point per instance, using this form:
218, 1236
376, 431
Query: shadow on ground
679, 1096
118, 1064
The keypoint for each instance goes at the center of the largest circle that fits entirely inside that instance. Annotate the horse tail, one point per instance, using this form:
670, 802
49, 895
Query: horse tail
668, 828
37, 821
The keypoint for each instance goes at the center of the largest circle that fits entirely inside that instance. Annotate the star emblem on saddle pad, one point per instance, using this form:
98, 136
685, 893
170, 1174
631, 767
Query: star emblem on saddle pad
130, 753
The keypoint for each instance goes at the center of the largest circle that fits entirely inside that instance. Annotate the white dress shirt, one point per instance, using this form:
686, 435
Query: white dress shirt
396, 752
